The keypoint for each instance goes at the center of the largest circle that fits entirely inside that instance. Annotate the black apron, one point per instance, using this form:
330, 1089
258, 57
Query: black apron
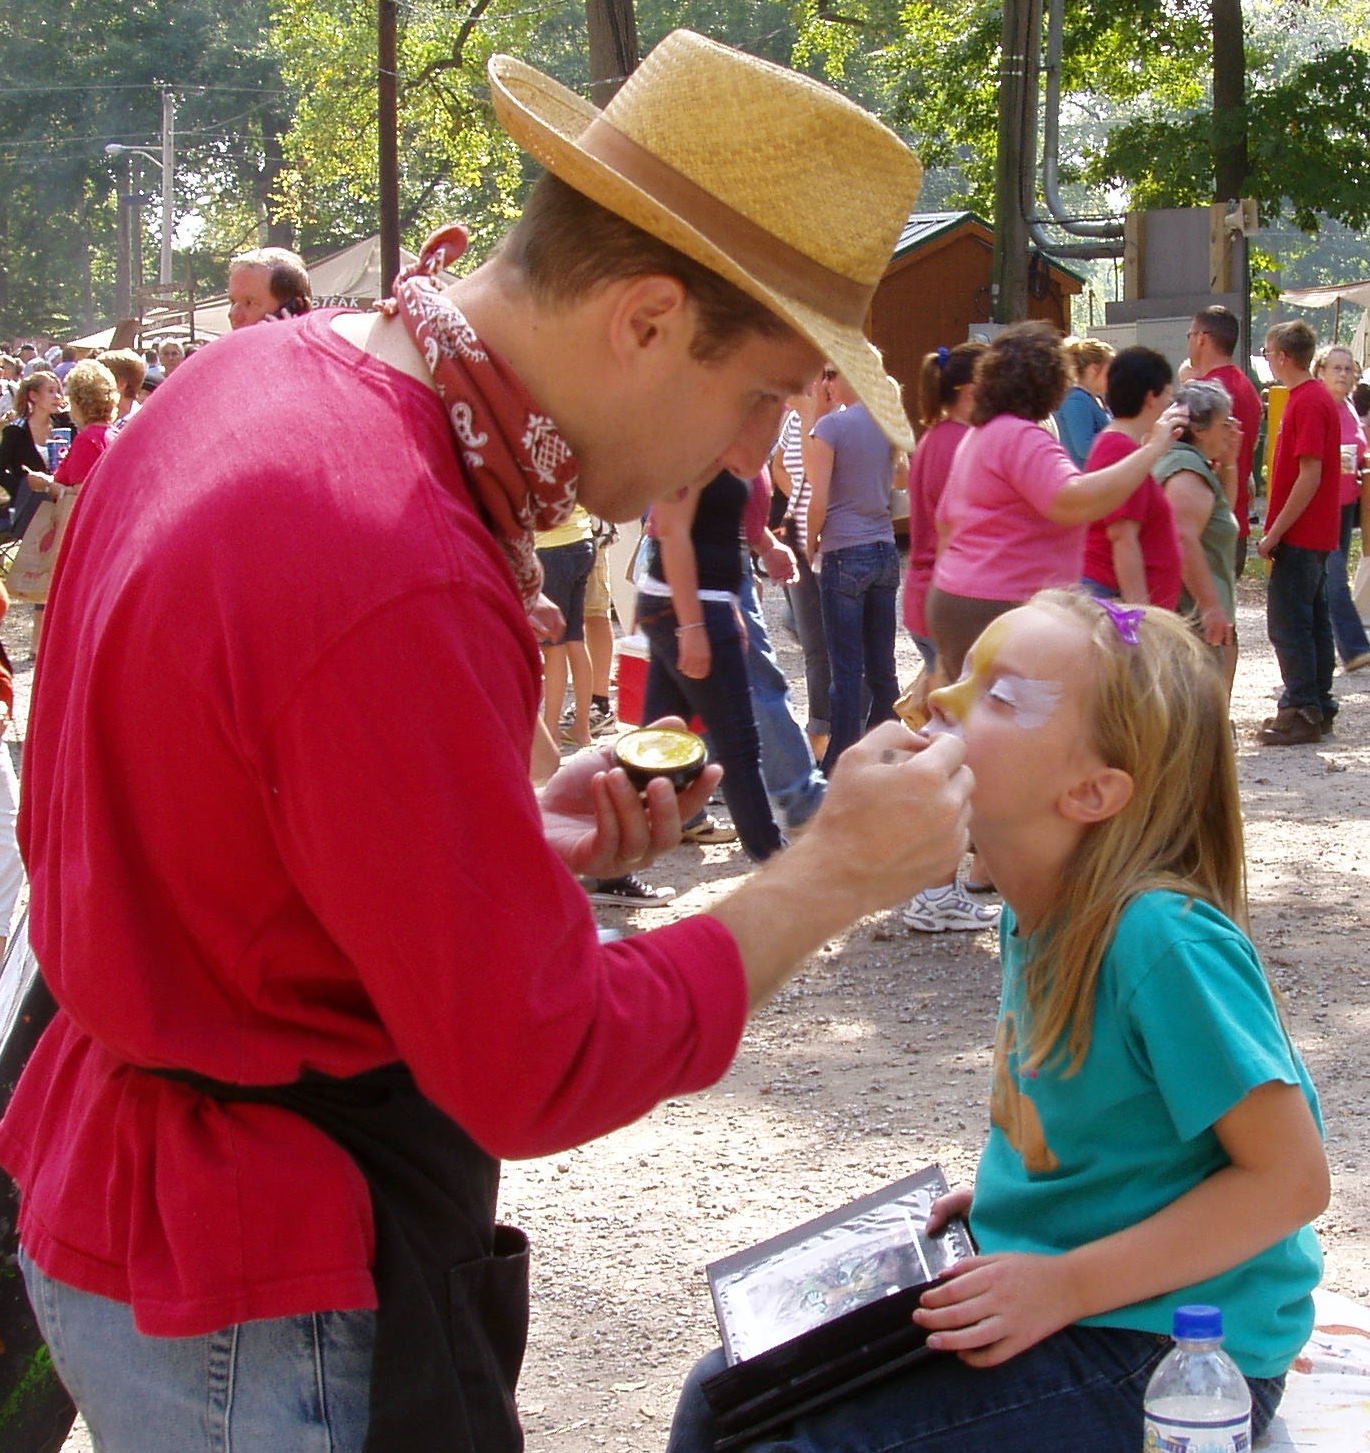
452, 1286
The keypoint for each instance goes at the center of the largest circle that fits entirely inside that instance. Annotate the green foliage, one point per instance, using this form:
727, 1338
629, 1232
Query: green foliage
1136, 77
73, 79
1309, 135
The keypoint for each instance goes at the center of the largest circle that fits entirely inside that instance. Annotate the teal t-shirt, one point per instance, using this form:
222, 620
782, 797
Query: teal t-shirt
1185, 1027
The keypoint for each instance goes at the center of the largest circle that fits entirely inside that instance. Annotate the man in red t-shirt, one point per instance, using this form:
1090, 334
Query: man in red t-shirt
1213, 336
300, 1014
1301, 527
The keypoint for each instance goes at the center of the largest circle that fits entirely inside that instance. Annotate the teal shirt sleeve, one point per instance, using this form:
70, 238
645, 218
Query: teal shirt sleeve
1201, 1014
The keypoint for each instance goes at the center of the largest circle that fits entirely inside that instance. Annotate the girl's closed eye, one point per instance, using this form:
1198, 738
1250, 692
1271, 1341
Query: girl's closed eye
1031, 702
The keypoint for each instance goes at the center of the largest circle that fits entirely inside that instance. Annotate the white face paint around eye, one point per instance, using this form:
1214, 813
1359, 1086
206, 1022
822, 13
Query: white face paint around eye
1032, 702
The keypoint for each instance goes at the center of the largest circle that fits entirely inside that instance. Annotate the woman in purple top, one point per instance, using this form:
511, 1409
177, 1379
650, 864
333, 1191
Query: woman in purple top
851, 470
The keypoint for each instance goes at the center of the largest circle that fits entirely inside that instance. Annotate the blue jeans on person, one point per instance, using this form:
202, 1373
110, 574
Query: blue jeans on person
1099, 590
859, 584
803, 596
1081, 1389
723, 702
791, 775
1347, 627
289, 1384
1300, 628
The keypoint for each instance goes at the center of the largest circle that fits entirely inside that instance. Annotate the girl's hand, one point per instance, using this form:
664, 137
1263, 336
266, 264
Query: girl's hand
39, 482
992, 1308
947, 1208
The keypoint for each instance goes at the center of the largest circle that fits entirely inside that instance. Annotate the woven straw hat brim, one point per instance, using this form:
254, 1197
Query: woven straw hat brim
547, 120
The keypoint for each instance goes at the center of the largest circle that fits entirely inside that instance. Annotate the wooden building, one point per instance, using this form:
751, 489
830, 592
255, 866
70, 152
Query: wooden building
937, 288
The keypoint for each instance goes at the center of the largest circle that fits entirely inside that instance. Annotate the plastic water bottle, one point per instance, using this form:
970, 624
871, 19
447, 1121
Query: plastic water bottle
1197, 1400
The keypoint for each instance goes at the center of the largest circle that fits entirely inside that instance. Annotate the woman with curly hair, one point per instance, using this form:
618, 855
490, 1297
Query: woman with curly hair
1013, 516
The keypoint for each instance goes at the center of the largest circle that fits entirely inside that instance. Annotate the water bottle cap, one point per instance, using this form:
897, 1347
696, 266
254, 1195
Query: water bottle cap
1198, 1324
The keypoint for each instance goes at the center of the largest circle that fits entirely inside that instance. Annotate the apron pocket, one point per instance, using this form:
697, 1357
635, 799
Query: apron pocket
488, 1311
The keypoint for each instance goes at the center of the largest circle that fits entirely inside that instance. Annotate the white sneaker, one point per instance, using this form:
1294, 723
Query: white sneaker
949, 910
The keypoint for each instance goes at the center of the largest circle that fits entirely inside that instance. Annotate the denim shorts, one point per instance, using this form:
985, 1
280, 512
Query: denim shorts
565, 575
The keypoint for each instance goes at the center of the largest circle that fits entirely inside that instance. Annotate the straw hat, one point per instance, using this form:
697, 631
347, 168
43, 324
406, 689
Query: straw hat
769, 179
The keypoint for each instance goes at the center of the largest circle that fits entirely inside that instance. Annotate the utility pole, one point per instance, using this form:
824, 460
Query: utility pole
388, 151
168, 178
1022, 40
613, 46
123, 282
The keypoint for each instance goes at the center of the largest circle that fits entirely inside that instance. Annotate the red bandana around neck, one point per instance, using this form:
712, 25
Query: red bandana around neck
521, 470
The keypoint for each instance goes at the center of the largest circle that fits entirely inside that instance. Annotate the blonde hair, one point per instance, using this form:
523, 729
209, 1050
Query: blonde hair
1157, 711
1084, 353
92, 392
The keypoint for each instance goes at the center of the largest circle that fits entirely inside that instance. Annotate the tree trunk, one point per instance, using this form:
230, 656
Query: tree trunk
1229, 101
613, 46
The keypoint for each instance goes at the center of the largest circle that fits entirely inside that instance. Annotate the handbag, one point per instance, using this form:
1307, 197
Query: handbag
30, 576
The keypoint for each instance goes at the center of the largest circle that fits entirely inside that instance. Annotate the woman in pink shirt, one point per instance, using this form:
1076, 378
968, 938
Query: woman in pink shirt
946, 397
1012, 519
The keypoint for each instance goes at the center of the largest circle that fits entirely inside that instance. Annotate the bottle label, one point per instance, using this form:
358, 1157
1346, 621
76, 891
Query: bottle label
1166, 1433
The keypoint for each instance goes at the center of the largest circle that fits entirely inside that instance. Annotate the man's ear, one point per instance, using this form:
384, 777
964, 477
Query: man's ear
1097, 796
647, 309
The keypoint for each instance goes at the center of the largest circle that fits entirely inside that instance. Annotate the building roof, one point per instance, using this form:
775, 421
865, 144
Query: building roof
925, 227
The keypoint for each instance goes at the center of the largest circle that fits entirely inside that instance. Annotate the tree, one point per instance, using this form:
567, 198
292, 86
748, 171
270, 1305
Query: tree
101, 82
1156, 103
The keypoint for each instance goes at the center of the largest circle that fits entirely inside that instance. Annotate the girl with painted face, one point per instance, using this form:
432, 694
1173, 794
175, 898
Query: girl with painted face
1154, 1135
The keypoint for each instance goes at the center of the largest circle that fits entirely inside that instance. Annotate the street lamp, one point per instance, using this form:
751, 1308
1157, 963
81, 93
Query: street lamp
167, 162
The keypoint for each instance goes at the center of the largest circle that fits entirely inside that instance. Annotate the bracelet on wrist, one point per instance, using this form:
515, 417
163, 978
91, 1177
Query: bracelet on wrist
689, 626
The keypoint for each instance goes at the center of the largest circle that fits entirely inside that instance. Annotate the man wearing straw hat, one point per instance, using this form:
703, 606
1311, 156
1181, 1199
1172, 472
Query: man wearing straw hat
302, 1011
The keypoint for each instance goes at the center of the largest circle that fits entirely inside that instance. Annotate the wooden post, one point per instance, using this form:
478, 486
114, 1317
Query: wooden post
387, 149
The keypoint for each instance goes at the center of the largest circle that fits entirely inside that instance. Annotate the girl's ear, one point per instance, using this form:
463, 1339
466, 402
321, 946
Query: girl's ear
1097, 796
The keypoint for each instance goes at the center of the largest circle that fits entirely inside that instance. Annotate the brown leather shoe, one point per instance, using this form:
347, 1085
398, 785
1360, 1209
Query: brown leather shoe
1291, 726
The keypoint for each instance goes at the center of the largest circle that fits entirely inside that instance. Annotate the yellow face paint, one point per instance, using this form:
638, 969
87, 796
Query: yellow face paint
954, 702
1031, 702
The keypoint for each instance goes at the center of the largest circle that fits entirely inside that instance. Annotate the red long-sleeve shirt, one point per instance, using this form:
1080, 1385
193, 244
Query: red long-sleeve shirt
277, 816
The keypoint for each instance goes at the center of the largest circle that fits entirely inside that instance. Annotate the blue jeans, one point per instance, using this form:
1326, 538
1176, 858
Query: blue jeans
1347, 626
792, 777
1081, 1389
803, 596
859, 585
291, 1384
1300, 628
723, 702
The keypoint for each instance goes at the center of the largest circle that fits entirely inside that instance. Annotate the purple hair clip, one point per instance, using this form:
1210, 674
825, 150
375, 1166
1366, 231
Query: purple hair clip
1127, 619
943, 354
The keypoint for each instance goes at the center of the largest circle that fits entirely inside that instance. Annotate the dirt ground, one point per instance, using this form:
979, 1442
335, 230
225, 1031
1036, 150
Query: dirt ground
876, 1061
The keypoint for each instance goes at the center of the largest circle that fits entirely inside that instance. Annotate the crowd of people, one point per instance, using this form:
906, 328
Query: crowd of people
291, 1040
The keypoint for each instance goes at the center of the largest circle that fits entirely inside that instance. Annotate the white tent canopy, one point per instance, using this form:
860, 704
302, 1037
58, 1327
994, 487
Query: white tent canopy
350, 278
1334, 296
1325, 297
